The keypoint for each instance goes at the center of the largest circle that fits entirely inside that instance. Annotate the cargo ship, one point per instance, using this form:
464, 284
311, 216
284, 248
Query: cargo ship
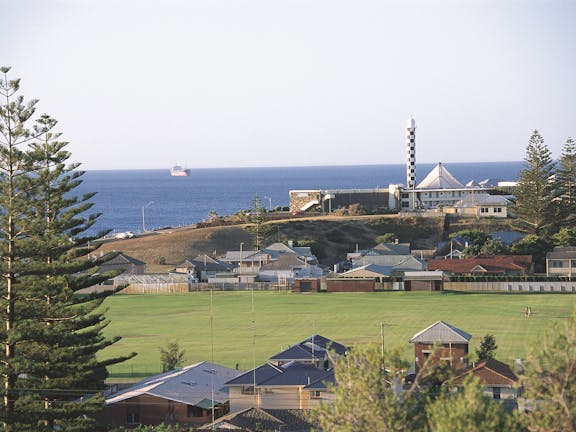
179, 171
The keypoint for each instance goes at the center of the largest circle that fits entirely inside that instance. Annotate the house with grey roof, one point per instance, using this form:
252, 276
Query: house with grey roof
203, 267
381, 249
188, 396
394, 264
288, 267
298, 377
481, 205
443, 343
561, 262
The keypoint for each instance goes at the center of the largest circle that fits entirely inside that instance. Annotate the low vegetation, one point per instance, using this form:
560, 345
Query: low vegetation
146, 322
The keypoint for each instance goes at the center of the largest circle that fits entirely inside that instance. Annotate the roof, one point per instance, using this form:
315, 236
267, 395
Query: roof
246, 255
284, 262
382, 249
485, 199
313, 347
395, 262
207, 263
483, 264
490, 372
368, 271
440, 178
280, 248
559, 252
292, 374
441, 332
190, 385
260, 419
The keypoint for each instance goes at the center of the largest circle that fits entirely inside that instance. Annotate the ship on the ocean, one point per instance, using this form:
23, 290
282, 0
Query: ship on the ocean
179, 171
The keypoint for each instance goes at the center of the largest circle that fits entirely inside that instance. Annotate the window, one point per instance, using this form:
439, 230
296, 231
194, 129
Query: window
133, 416
405, 204
498, 210
316, 394
194, 411
483, 209
404, 195
496, 392
248, 390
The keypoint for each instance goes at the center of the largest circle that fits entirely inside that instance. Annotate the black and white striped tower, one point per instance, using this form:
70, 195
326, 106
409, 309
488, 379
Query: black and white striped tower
411, 153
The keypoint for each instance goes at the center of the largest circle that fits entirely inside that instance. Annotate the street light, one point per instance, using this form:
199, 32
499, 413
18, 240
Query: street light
143, 220
240, 269
269, 203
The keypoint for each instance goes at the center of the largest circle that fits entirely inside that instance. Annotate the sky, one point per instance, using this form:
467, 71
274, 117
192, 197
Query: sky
142, 84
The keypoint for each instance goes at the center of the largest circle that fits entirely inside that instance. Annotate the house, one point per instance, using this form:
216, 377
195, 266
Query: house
381, 249
498, 379
284, 386
265, 420
253, 261
485, 265
203, 267
298, 377
561, 262
187, 396
124, 264
481, 205
394, 264
288, 267
444, 342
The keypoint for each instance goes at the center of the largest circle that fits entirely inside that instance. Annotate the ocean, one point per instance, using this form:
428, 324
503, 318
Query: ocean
125, 196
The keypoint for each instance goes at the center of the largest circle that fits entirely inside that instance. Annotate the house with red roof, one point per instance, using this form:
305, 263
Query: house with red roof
498, 379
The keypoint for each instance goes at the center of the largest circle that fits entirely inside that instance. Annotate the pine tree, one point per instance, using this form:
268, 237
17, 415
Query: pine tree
535, 205
51, 336
566, 182
487, 348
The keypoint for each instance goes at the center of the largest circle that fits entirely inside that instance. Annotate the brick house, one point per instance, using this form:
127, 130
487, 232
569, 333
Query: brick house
441, 342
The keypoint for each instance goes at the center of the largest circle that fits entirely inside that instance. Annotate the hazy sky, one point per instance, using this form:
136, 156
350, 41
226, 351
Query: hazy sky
225, 83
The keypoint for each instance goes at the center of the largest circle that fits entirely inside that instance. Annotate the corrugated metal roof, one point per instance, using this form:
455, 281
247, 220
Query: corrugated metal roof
189, 385
441, 332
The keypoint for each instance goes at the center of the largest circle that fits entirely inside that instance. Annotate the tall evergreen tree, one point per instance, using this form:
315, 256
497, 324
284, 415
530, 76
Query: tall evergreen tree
51, 336
566, 182
535, 205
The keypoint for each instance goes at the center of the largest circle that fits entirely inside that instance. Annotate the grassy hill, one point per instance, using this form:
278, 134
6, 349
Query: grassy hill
333, 237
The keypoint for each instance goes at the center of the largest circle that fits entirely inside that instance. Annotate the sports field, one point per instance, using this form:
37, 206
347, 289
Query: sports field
240, 336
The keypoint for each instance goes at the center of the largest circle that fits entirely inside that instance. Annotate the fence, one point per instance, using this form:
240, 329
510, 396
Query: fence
514, 286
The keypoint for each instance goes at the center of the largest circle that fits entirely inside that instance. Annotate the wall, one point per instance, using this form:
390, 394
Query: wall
457, 352
350, 285
517, 286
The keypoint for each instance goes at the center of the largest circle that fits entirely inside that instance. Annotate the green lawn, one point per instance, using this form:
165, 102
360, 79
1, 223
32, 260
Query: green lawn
147, 322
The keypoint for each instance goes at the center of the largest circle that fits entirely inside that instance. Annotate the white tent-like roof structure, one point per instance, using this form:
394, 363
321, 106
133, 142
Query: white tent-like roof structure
440, 178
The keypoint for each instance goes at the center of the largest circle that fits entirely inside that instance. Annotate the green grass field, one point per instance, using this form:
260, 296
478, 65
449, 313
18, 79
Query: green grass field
147, 322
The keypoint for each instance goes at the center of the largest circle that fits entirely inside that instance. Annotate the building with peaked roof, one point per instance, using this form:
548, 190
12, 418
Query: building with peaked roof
393, 263
124, 264
381, 249
441, 342
438, 189
485, 265
312, 350
203, 267
298, 377
265, 420
498, 379
183, 396
481, 205
561, 262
